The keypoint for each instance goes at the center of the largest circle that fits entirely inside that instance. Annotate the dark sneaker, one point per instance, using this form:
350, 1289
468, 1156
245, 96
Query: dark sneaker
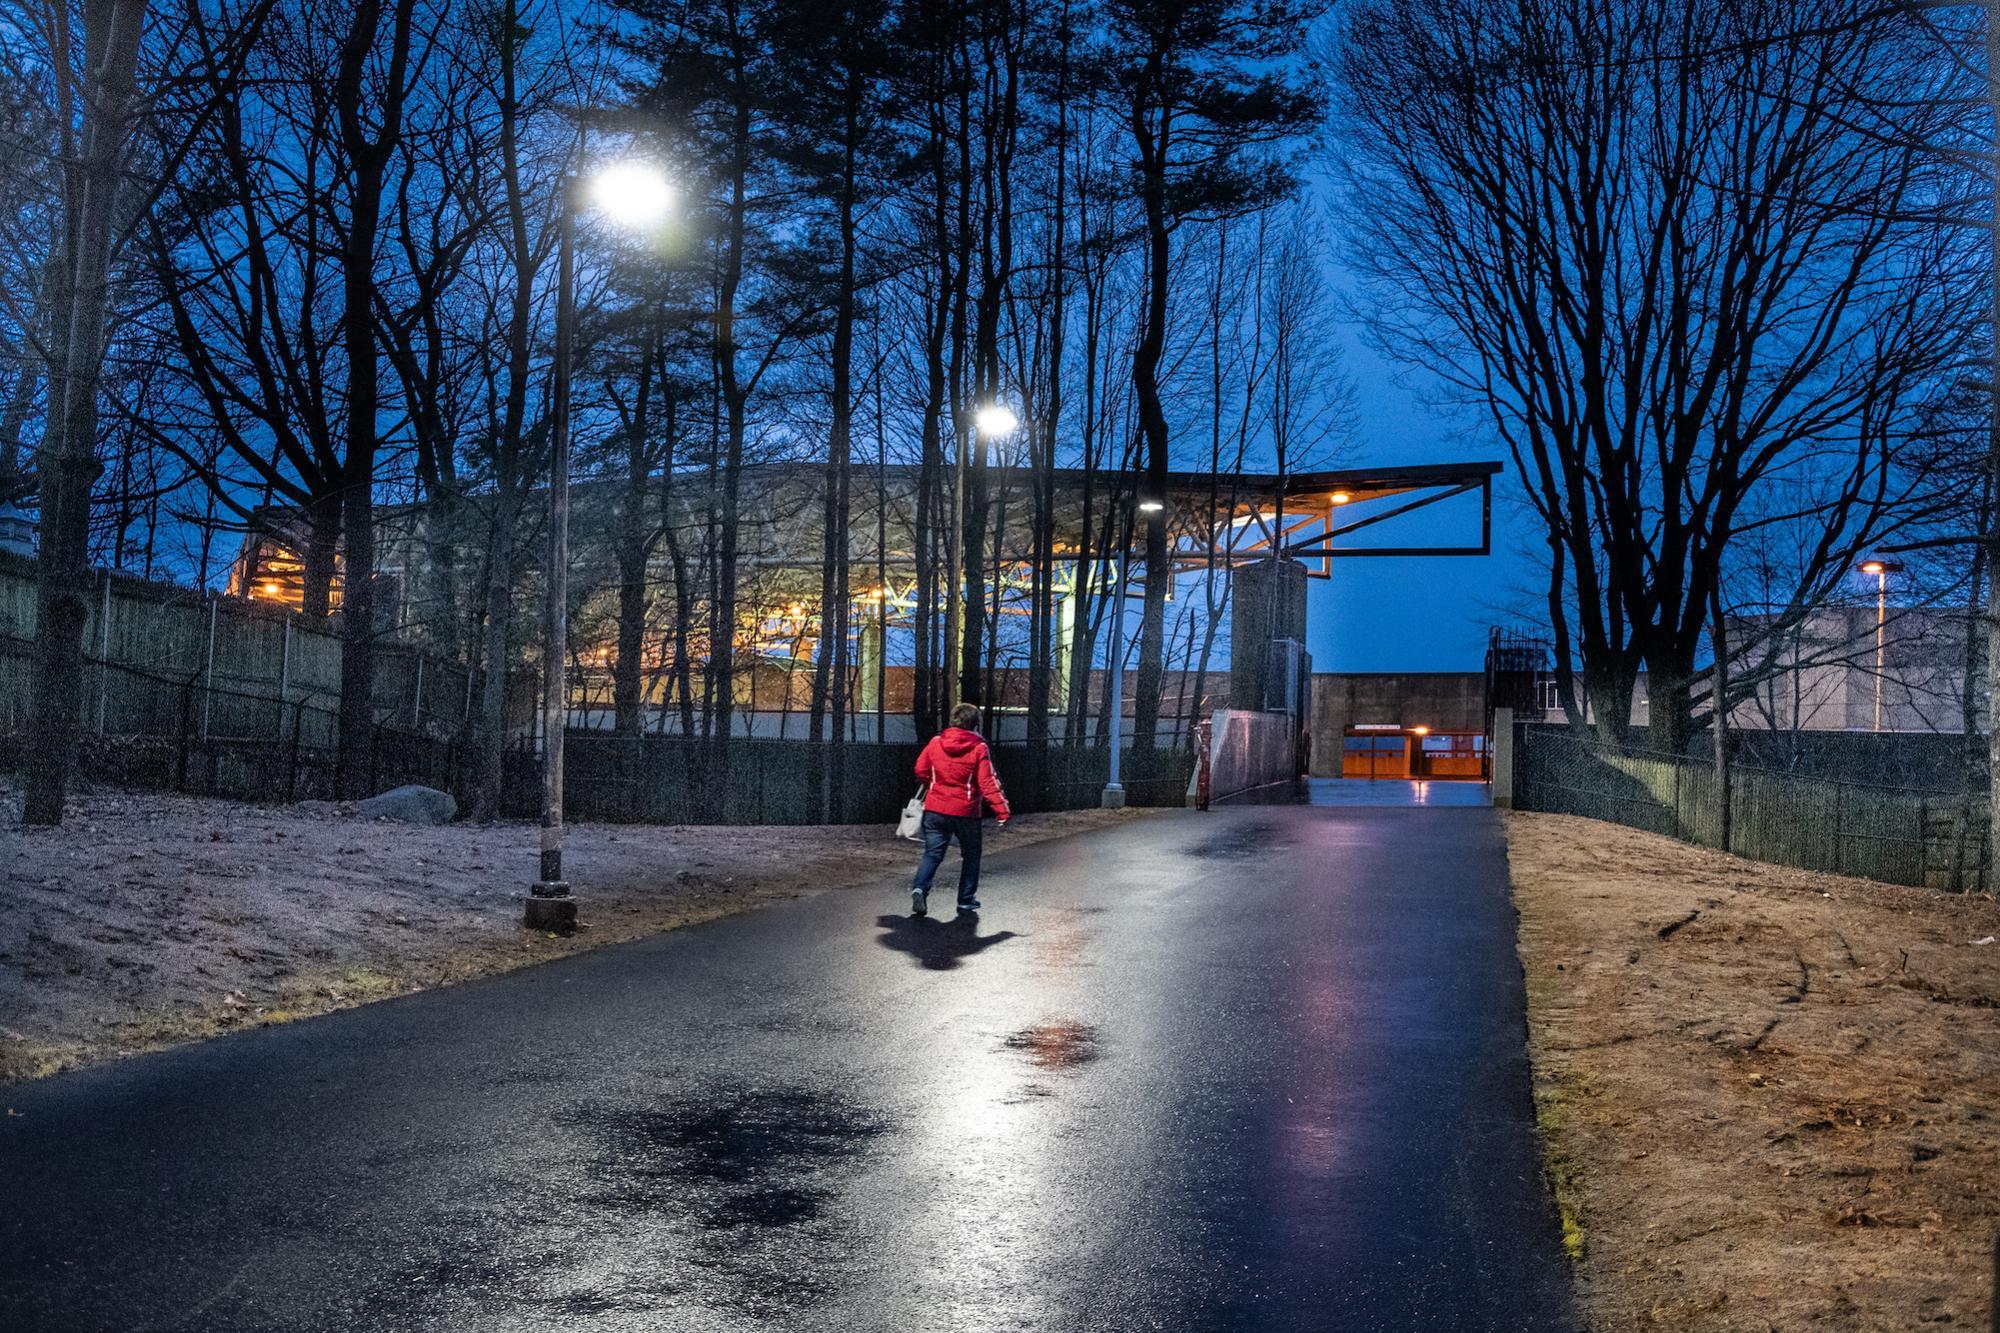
968, 904
919, 901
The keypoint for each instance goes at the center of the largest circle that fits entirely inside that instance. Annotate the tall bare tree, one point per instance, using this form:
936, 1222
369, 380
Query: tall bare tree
1215, 96
1685, 293
97, 87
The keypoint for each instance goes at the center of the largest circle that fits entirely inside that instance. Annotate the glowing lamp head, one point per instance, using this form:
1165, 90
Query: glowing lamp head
1873, 567
1149, 506
1421, 731
634, 195
995, 420
1340, 497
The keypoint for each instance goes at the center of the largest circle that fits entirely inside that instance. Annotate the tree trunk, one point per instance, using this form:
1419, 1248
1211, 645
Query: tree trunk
634, 550
496, 637
321, 557
368, 156
1993, 467
68, 466
1152, 428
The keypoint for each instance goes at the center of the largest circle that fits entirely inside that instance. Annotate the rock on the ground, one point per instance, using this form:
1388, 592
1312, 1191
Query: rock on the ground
410, 805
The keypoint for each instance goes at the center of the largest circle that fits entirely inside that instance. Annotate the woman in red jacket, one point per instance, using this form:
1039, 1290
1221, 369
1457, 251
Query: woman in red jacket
959, 770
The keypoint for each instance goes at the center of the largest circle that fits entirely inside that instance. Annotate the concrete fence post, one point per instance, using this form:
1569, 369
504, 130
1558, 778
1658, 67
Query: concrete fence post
208, 668
1503, 758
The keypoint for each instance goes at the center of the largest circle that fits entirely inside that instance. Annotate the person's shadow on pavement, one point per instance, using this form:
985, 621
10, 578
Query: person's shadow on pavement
933, 943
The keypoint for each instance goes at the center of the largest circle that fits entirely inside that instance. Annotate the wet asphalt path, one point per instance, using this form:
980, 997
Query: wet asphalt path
1257, 1069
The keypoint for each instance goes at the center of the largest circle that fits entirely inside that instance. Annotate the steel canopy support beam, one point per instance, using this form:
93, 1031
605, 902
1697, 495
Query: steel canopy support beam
1322, 547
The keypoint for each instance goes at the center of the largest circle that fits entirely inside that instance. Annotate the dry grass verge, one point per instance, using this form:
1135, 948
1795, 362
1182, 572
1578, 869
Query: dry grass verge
1771, 1097
149, 920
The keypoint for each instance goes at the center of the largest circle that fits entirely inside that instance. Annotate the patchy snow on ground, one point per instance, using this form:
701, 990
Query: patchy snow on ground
1771, 1098
151, 919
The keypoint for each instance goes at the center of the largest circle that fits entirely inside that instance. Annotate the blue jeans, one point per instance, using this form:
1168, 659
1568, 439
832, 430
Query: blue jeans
939, 830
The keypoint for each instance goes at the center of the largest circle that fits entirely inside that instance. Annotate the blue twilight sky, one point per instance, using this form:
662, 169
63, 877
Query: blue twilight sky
1418, 614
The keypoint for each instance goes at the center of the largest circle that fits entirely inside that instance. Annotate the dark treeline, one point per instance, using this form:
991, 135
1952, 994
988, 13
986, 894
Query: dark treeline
325, 243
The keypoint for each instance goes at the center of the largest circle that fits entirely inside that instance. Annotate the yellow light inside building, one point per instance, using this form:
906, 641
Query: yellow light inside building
1340, 497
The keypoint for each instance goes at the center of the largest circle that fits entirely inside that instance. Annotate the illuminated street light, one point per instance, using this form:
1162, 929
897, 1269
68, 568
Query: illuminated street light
991, 421
995, 420
1881, 569
634, 195
1340, 497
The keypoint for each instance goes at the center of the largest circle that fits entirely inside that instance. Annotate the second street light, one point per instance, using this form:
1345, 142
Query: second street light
1114, 786
992, 421
635, 196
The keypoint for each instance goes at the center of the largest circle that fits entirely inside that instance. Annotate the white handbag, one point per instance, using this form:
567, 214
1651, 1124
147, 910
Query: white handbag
911, 825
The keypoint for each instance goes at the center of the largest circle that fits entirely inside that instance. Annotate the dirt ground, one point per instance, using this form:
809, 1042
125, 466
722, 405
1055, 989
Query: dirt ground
1771, 1097
149, 919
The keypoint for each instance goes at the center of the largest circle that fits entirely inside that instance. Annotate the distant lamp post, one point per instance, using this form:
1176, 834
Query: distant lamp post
1114, 787
635, 196
1881, 569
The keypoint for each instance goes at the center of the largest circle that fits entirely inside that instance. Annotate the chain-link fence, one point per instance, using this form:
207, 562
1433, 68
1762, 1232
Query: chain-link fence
1902, 835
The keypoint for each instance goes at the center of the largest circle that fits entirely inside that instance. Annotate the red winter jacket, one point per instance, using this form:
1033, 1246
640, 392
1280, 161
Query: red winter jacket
959, 768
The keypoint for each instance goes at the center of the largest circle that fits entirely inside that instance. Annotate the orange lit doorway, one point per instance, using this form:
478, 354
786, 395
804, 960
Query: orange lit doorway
1395, 751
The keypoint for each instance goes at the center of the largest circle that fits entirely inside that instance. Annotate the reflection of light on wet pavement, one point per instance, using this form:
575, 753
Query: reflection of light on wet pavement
1017, 1078
1312, 1138
1397, 792
1061, 1043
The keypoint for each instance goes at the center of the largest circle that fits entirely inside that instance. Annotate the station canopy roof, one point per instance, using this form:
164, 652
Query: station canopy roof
1235, 517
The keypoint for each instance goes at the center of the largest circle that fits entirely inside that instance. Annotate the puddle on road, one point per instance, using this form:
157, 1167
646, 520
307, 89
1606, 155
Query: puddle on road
1059, 1044
747, 1159
1242, 842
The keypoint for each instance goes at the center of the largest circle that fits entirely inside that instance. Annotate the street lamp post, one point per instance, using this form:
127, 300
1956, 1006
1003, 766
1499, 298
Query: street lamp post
1114, 787
633, 195
991, 421
1881, 569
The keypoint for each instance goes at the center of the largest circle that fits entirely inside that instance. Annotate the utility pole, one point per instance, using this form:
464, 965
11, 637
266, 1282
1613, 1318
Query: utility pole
1114, 787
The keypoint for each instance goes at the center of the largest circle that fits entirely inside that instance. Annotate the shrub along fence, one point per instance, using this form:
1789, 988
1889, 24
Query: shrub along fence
1936, 838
